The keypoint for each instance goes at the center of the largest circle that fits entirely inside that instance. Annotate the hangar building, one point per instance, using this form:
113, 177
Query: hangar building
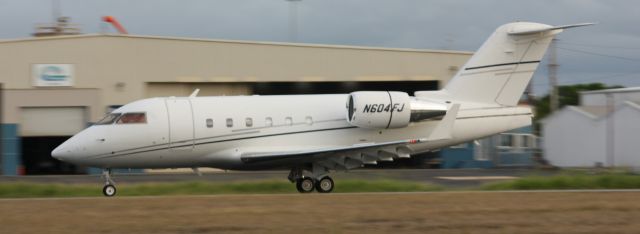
55, 86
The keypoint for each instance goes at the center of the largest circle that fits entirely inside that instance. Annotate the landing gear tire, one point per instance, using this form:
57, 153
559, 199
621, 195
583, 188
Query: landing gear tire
305, 185
324, 185
109, 190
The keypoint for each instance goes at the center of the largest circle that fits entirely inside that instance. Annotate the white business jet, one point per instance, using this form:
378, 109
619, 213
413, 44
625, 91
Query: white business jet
315, 134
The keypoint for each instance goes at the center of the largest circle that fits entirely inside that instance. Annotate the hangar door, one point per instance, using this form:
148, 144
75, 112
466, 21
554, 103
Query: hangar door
52, 121
42, 129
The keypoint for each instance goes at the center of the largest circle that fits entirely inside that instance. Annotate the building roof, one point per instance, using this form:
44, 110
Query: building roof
620, 90
594, 111
233, 42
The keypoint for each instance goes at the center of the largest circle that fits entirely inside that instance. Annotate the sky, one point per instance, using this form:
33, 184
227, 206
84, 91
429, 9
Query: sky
608, 52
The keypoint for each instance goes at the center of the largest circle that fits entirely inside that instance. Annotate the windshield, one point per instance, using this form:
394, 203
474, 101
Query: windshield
132, 118
109, 119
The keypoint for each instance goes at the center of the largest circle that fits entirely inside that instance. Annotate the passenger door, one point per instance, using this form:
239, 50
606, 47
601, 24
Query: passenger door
181, 125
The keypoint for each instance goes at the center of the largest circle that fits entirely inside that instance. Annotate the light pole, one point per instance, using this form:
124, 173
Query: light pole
293, 20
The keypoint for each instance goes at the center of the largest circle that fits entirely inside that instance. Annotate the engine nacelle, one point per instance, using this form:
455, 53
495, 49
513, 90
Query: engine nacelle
388, 109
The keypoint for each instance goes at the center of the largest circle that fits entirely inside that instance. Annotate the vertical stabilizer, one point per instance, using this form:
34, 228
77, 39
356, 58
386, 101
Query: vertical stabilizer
503, 66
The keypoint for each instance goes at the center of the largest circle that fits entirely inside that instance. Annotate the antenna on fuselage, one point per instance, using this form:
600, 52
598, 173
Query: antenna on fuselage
195, 93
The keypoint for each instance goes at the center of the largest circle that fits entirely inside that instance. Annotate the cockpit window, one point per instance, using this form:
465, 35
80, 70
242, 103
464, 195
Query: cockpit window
132, 118
109, 119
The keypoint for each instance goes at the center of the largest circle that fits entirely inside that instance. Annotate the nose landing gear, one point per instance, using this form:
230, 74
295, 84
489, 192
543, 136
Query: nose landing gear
109, 189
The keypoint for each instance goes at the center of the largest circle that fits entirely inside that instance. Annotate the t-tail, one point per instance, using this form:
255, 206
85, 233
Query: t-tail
503, 66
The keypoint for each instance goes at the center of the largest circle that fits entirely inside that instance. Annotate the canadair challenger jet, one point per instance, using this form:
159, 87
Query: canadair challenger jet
316, 134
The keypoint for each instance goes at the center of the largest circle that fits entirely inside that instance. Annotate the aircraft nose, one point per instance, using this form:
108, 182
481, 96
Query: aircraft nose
61, 152
57, 153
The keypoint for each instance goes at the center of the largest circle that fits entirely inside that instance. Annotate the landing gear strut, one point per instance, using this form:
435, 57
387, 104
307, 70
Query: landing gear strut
309, 180
109, 188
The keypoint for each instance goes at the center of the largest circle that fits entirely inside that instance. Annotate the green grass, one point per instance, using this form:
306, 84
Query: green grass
23, 190
571, 180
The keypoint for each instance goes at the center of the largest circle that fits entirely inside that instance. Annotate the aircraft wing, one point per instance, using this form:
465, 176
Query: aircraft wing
348, 157
255, 157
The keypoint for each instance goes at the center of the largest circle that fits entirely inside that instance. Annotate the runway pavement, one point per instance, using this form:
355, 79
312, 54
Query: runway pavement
444, 177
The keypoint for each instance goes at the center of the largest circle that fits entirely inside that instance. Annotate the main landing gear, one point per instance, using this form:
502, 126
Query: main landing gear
307, 181
109, 188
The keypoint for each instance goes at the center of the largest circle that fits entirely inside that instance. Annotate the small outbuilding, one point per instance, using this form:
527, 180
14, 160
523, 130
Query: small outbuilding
601, 131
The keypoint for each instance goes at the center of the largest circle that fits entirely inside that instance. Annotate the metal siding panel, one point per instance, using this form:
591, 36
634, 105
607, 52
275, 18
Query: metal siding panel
10, 149
52, 121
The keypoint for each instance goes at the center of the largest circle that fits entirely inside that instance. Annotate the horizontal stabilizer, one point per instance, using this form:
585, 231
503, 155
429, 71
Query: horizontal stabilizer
539, 29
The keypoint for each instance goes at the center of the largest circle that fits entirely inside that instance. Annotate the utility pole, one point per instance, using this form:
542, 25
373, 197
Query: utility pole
553, 79
528, 93
55, 10
611, 127
293, 20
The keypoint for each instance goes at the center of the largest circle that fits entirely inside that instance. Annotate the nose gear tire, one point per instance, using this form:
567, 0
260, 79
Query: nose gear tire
109, 190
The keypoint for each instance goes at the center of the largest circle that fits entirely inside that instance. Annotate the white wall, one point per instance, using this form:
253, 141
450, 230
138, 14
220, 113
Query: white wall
627, 137
572, 139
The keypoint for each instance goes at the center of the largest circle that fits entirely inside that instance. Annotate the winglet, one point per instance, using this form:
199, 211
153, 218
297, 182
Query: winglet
545, 28
195, 93
444, 130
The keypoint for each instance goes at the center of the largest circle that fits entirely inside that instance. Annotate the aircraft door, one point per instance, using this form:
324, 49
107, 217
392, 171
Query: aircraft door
181, 125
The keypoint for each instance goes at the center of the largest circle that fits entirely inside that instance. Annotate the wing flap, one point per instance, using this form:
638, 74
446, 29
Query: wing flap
255, 157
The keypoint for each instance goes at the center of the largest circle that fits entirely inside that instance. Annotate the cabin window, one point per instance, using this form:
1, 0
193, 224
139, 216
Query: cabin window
308, 120
132, 118
288, 121
268, 122
209, 123
248, 122
109, 119
229, 122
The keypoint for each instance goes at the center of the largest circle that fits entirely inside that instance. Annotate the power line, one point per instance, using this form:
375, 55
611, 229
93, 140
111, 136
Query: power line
599, 54
593, 79
601, 46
